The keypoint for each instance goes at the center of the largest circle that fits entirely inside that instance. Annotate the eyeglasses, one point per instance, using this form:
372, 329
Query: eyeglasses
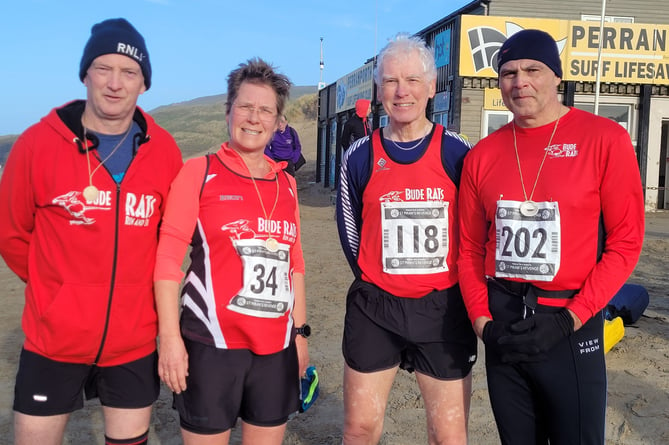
264, 113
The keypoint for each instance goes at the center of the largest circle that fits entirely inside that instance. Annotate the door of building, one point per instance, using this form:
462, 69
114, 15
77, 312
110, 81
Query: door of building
662, 195
656, 160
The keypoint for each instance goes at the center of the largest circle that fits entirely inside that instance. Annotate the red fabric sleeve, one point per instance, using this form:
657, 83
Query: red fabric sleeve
181, 211
473, 237
622, 204
17, 207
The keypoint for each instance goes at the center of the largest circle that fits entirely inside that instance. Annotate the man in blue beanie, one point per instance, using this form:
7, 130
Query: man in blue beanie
552, 223
531, 44
116, 36
81, 199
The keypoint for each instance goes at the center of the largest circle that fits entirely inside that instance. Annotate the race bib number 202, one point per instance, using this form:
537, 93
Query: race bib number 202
527, 247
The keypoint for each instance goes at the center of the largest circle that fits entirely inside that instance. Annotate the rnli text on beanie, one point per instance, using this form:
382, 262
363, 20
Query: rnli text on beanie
116, 36
531, 44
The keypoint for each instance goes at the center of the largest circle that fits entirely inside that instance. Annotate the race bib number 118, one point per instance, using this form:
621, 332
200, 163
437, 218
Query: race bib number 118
415, 237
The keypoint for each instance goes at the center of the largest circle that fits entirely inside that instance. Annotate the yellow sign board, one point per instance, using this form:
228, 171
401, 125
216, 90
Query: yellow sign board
631, 53
492, 99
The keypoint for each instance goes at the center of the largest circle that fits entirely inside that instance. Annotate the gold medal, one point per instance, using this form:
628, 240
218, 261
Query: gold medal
91, 193
271, 244
529, 208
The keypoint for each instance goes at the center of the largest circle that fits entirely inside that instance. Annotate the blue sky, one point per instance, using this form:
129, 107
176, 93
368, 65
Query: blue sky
193, 44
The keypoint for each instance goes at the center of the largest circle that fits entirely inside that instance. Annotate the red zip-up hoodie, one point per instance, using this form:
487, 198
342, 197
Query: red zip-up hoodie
88, 266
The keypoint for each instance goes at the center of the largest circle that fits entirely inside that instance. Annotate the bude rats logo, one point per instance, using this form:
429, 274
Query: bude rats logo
485, 43
138, 208
75, 204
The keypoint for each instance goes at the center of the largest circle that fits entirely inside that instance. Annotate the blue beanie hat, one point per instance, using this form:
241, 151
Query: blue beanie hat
531, 44
116, 36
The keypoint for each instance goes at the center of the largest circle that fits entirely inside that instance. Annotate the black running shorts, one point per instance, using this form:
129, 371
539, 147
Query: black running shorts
226, 384
431, 335
45, 387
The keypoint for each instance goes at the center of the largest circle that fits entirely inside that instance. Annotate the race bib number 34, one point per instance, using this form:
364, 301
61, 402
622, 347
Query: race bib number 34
415, 237
527, 247
266, 291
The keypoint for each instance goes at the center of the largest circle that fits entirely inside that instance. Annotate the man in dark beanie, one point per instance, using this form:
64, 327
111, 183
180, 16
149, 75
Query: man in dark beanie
116, 36
81, 199
531, 44
552, 224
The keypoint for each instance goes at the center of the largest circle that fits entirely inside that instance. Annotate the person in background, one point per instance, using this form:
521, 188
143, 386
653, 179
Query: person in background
81, 200
358, 125
398, 225
285, 146
551, 226
243, 305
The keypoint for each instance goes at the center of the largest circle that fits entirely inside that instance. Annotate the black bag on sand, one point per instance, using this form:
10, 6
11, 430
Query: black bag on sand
300, 162
629, 303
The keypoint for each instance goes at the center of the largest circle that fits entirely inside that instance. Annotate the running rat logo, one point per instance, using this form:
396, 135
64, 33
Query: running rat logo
76, 207
239, 228
391, 196
562, 151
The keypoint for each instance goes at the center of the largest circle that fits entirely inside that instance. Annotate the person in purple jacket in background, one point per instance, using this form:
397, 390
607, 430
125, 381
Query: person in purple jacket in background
285, 146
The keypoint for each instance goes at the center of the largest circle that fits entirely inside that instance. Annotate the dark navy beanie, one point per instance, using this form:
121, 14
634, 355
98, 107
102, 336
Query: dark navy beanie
116, 36
531, 44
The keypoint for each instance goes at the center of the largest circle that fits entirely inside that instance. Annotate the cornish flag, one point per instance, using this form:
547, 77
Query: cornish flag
485, 44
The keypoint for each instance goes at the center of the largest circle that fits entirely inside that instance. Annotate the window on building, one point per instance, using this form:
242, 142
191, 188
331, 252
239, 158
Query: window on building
620, 113
440, 118
494, 120
607, 18
620, 109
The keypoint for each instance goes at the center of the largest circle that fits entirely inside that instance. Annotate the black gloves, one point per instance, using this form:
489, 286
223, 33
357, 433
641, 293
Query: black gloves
531, 338
492, 332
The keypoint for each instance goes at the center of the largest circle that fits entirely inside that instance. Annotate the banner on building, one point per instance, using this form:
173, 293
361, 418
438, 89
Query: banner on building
631, 53
355, 85
442, 48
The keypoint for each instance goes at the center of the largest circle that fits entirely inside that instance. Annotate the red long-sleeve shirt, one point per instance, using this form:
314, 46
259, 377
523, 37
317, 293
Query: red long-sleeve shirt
591, 172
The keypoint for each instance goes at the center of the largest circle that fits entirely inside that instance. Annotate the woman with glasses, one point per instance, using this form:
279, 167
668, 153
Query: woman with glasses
243, 310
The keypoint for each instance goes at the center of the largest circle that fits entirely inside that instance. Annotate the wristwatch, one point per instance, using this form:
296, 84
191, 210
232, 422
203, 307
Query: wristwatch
304, 330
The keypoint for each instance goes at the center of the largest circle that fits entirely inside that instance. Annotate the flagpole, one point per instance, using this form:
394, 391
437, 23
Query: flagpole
599, 56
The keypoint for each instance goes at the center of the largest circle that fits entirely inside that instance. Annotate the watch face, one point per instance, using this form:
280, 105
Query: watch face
304, 330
